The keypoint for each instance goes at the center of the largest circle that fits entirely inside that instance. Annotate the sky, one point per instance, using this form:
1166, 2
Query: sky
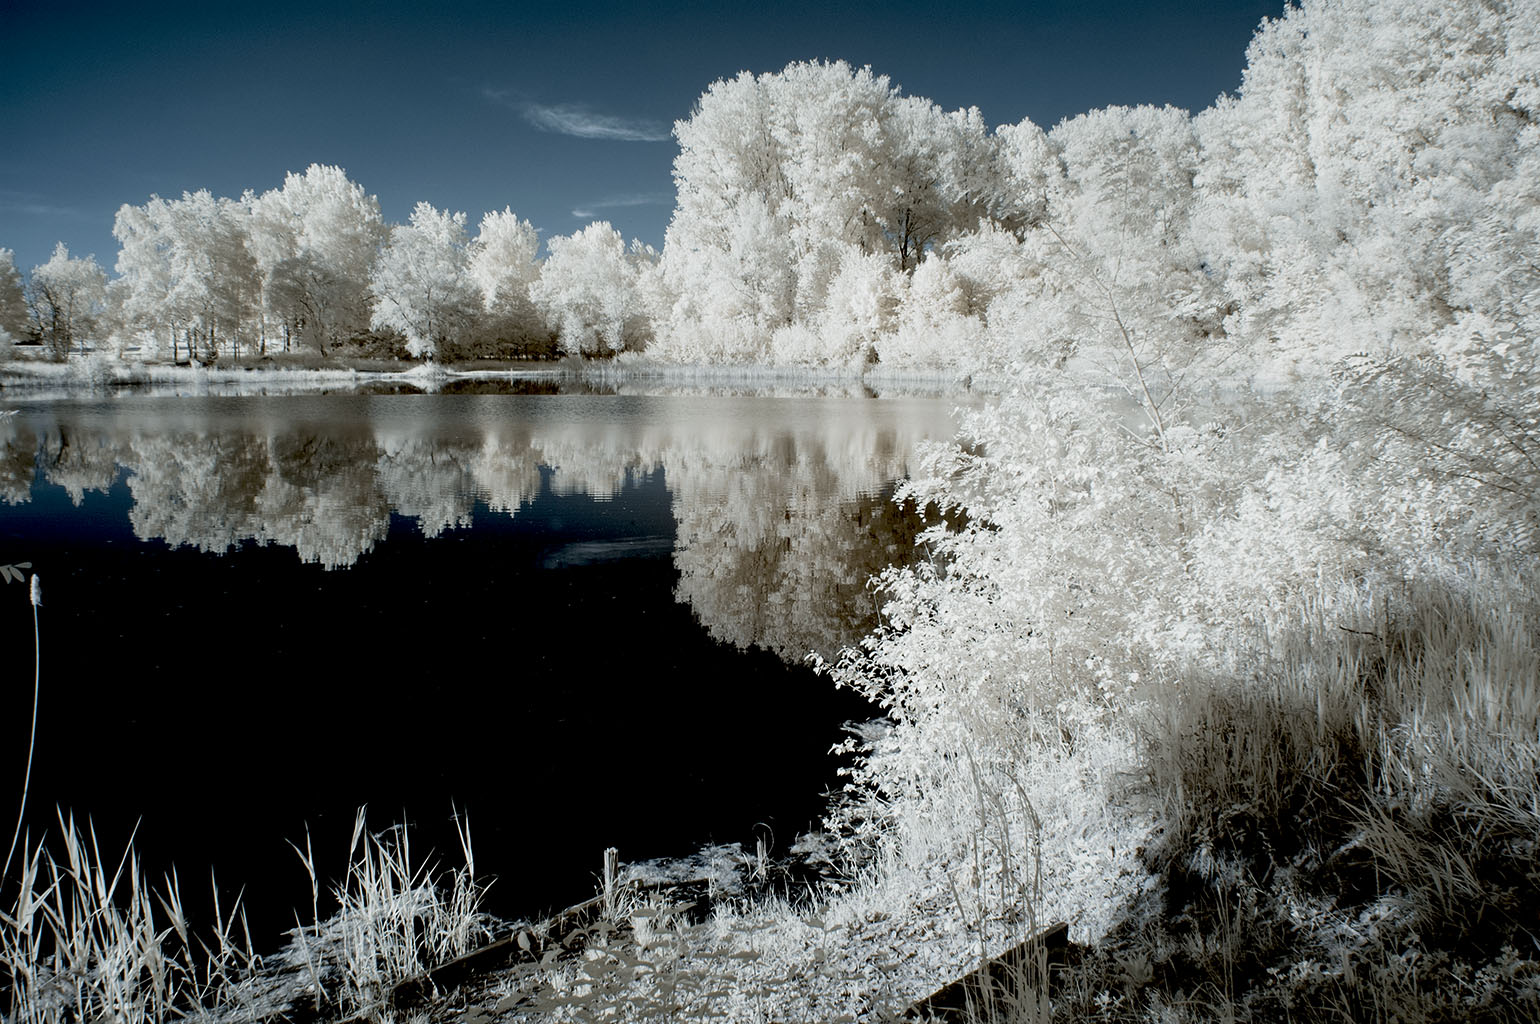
561, 111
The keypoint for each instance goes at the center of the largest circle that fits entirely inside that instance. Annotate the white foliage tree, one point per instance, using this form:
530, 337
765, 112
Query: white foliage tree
1367, 188
187, 267
589, 291
1127, 291
13, 300
1365, 191
421, 285
1027, 174
936, 177
780, 177
727, 297
857, 310
64, 298
502, 263
315, 241
145, 270
728, 269
937, 321
830, 132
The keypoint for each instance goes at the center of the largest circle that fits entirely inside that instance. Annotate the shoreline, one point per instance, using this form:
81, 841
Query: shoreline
35, 379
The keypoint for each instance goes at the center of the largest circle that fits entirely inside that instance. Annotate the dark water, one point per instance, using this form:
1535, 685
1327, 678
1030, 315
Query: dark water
580, 620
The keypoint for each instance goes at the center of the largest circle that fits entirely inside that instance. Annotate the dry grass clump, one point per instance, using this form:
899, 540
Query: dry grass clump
1354, 833
396, 920
84, 941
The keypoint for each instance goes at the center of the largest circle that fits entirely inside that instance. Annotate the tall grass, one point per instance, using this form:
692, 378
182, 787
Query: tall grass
397, 919
1420, 717
88, 939
1364, 813
1004, 884
84, 940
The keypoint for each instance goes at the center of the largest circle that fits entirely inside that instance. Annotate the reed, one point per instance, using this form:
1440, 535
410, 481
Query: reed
87, 938
397, 918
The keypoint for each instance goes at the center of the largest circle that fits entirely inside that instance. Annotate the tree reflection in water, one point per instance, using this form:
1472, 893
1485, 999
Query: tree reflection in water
268, 611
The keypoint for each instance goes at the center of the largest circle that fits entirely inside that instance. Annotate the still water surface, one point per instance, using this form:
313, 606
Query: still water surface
580, 619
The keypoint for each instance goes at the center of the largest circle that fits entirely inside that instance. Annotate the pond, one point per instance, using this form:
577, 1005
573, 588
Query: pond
579, 619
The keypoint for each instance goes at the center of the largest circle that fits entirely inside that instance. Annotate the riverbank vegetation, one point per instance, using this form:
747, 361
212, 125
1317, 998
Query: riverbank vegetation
1230, 660
90, 938
1307, 619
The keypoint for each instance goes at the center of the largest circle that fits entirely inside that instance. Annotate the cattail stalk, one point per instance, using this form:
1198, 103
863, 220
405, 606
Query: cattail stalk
36, 594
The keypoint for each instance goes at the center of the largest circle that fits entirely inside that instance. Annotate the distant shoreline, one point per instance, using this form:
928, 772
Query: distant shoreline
99, 373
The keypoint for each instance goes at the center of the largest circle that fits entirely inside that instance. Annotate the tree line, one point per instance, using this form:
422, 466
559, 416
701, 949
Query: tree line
313, 264
1364, 189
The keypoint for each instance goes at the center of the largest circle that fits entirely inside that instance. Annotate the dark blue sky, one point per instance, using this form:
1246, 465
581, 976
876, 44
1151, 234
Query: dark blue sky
474, 106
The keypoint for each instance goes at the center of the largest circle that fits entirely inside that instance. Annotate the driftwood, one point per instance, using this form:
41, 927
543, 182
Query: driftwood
1017, 976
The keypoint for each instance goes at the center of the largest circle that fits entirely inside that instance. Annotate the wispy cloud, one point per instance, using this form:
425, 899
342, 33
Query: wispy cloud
588, 211
578, 120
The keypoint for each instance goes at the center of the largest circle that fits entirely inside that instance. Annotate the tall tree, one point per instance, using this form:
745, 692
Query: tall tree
188, 269
589, 290
1126, 289
935, 177
144, 268
421, 286
781, 177
502, 265
315, 241
64, 297
13, 299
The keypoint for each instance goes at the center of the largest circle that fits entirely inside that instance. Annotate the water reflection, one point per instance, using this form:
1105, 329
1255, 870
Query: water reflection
523, 607
781, 506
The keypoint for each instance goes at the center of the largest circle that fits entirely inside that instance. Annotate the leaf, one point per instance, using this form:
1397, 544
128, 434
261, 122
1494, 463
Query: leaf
23, 565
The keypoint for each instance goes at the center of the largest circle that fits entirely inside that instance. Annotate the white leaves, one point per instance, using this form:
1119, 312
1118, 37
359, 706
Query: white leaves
13, 303
315, 241
786, 182
187, 264
64, 298
421, 286
589, 289
502, 260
